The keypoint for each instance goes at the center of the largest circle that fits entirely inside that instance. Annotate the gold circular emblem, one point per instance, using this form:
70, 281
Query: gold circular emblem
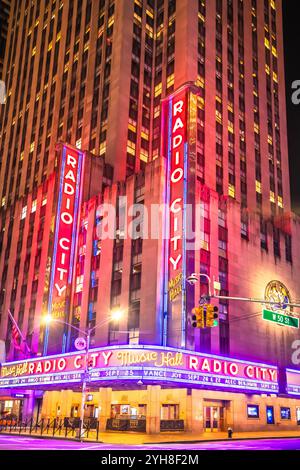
278, 292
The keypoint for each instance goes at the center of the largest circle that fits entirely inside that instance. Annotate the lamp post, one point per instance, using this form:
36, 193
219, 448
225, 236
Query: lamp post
115, 316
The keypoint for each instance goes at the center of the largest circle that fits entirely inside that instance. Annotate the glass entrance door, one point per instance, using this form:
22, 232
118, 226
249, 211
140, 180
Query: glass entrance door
213, 418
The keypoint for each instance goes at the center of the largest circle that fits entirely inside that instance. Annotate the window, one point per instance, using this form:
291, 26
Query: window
253, 411
169, 412
24, 213
285, 413
244, 228
298, 415
134, 335
270, 414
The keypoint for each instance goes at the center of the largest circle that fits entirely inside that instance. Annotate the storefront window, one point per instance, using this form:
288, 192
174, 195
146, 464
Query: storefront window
125, 410
169, 412
285, 413
270, 415
8, 404
128, 411
74, 411
298, 415
253, 411
142, 411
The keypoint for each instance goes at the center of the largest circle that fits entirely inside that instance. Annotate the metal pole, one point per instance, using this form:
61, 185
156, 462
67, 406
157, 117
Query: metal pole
249, 299
85, 373
240, 299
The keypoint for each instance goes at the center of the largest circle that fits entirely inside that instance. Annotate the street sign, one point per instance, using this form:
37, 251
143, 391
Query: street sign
280, 319
80, 344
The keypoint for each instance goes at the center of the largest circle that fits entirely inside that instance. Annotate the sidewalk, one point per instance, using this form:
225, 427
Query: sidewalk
133, 438
180, 437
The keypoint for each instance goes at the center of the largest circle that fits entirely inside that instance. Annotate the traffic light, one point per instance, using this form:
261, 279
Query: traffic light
90, 364
211, 316
198, 317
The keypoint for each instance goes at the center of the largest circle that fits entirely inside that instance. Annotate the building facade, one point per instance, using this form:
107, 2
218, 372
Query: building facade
4, 17
176, 104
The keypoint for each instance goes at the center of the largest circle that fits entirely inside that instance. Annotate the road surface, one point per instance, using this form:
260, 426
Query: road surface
28, 443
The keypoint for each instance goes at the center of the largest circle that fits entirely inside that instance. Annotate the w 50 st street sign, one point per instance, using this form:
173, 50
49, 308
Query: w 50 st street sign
280, 319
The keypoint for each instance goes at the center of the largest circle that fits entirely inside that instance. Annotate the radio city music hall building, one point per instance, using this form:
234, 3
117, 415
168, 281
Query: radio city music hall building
173, 103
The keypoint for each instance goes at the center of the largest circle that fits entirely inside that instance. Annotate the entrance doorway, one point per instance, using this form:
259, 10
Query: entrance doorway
213, 418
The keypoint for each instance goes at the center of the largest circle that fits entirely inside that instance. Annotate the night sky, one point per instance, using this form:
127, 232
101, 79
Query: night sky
291, 11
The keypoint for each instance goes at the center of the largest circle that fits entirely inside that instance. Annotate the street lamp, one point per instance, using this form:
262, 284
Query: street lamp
195, 277
115, 316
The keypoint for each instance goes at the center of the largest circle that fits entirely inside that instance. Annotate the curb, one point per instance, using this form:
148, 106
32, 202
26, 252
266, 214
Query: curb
199, 441
221, 439
70, 439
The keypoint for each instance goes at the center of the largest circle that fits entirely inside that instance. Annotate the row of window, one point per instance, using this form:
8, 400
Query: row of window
254, 412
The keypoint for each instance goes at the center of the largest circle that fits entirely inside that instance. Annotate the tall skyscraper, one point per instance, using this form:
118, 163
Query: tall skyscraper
177, 102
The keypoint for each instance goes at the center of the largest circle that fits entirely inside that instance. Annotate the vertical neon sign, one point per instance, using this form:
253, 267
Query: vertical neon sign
179, 136
65, 238
176, 151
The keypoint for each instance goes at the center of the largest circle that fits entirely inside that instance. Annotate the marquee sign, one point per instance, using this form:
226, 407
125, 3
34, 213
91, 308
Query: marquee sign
152, 364
177, 141
293, 382
65, 235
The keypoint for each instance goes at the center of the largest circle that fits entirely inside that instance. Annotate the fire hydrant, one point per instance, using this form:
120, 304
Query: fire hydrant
230, 432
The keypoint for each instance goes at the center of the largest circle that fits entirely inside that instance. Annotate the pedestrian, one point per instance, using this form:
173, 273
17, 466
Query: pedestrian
230, 432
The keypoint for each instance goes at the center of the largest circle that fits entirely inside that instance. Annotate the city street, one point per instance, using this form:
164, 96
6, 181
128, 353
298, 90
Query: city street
26, 443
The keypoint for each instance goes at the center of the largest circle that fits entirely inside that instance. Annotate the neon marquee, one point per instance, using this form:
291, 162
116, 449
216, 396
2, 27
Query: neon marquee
293, 382
65, 235
149, 363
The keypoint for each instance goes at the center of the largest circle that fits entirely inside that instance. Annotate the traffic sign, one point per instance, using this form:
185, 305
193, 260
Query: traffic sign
280, 319
80, 344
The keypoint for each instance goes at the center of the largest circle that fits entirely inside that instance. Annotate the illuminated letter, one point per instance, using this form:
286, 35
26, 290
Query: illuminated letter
60, 290
217, 366
47, 366
233, 369
179, 173
62, 272
175, 262
178, 125
175, 241
193, 362
177, 158
70, 176
62, 244
273, 374
71, 161
66, 218
31, 367
178, 107
76, 365
68, 189
205, 365
61, 364
177, 141
176, 201
249, 371
263, 373
106, 357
